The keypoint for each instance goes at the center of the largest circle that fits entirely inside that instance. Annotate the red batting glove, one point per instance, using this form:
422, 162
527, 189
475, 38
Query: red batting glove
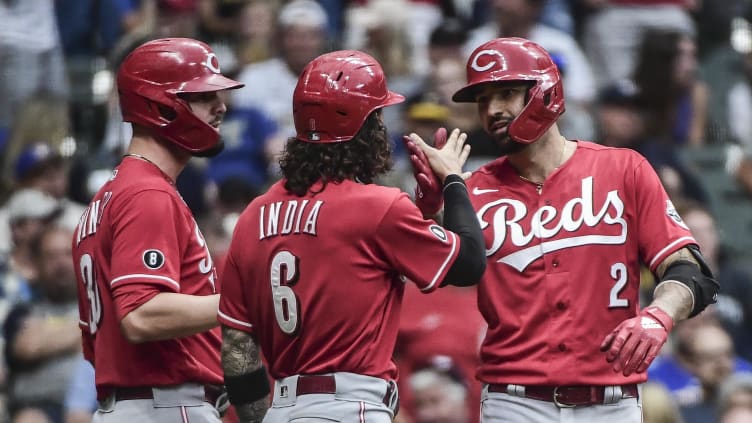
428, 195
634, 344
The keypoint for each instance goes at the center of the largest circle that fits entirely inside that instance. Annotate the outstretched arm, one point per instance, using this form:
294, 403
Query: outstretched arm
245, 376
687, 286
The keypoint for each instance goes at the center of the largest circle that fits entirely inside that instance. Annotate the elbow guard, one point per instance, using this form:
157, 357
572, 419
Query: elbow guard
248, 387
699, 280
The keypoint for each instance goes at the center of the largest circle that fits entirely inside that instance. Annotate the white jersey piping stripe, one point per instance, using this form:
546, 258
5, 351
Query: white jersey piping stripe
142, 276
668, 247
233, 320
443, 265
82, 323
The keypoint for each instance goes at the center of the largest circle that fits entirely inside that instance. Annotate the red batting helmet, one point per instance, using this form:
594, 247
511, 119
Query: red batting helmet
335, 94
518, 59
150, 79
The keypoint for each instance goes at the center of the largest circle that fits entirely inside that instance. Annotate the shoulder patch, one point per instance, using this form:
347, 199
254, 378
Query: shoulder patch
153, 259
674, 215
439, 232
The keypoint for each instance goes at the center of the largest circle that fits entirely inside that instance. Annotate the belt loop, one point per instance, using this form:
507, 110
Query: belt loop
612, 394
516, 390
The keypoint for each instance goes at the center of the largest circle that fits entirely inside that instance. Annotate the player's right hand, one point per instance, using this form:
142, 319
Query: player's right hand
428, 195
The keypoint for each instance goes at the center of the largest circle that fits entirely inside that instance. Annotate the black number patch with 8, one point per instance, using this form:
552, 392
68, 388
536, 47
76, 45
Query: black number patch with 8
153, 259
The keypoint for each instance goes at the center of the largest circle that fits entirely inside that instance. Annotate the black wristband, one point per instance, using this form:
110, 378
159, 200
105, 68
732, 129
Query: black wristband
248, 387
451, 179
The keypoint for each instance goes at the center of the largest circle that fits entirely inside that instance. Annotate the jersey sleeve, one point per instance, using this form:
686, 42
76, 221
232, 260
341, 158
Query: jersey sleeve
661, 230
146, 248
232, 304
419, 249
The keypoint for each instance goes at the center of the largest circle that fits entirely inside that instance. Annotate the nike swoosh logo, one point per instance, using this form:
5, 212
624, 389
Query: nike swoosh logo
478, 191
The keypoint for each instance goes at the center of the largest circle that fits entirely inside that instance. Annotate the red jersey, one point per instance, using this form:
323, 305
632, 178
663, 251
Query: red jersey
318, 279
564, 262
446, 323
136, 239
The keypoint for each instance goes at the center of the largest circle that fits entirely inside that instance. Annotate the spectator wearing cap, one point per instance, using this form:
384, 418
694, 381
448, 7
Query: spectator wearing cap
618, 119
439, 390
29, 211
41, 166
447, 324
422, 114
301, 31
26, 213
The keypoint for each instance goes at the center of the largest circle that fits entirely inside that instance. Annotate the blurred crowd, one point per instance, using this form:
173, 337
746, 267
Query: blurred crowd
667, 78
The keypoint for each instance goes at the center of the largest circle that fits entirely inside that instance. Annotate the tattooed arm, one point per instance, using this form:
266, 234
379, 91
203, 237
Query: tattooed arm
673, 297
241, 356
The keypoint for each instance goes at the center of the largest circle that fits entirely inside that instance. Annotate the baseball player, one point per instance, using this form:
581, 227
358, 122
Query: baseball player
566, 225
315, 273
148, 293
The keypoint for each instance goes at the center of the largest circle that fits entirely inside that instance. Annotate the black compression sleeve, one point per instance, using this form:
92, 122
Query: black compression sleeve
459, 217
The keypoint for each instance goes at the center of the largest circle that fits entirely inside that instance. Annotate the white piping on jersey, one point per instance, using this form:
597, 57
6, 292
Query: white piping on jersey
236, 321
522, 258
82, 323
669, 246
142, 276
443, 265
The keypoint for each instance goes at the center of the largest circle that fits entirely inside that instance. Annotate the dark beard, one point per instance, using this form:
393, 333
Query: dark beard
506, 145
218, 147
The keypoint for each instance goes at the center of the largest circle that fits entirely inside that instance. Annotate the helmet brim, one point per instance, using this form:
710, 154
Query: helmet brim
393, 98
466, 94
214, 82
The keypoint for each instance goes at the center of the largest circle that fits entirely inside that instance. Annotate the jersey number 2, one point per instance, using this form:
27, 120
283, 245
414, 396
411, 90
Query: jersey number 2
283, 274
619, 274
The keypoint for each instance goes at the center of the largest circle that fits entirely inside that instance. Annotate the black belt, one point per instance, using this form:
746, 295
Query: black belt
326, 384
567, 396
211, 393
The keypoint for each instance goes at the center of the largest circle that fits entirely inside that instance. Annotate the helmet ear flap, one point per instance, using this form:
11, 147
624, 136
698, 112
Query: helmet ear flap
543, 107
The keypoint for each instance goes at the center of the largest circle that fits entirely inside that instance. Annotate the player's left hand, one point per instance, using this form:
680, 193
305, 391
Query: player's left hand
633, 345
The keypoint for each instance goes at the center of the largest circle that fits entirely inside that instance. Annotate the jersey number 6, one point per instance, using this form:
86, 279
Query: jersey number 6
283, 274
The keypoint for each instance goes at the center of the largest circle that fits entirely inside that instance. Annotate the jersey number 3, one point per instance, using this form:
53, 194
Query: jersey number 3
86, 267
283, 274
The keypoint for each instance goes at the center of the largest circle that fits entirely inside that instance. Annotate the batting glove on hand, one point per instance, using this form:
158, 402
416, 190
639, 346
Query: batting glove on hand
428, 191
634, 344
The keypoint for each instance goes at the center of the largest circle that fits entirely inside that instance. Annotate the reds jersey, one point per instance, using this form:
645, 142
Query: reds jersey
136, 239
316, 279
564, 263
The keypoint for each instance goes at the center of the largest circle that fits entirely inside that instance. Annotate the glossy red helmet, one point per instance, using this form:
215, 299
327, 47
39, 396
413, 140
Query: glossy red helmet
335, 94
518, 59
153, 75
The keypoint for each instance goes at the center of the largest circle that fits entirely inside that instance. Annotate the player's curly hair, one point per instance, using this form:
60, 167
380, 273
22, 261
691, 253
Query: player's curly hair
367, 155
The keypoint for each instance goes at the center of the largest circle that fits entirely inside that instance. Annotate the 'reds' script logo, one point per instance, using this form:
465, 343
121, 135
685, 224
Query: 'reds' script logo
547, 222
